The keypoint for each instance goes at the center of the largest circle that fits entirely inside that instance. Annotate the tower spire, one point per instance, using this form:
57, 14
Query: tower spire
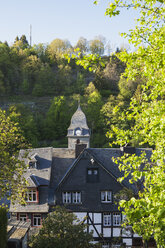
78, 131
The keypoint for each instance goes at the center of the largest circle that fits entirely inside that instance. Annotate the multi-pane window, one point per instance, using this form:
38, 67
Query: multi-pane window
92, 175
116, 219
106, 196
71, 197
66, 197
22, 217
76, 197
31, 195
36, 220
107, 219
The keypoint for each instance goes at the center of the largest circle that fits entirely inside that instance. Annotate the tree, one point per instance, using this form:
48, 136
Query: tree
94, 117
3, 227
62, 229
21, 43
11, 168
57, 47
96, 46
146, 212
27, 123
82, 44
57, 119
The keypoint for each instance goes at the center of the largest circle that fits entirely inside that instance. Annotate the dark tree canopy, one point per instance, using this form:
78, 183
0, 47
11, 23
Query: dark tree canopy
62, 229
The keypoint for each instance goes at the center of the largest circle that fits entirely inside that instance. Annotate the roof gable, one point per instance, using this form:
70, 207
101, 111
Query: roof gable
92, 159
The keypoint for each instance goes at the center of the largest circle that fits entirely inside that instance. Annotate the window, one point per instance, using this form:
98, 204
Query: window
105, 245
76, 197
89, 172
66, 197
71, 197
107, 219
32, 164
22, 217
92, 175
36, 220
106, 196
31, 195
116, 219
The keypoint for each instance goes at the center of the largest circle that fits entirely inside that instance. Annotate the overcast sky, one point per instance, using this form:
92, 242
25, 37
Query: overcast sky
64, 19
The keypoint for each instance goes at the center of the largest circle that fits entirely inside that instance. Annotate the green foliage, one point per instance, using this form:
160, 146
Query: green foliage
93, 106
27, 123
82, 45
58, 47
43, 70
11, 168
146, 111
57, 119
96, 46
3, 227
62, 229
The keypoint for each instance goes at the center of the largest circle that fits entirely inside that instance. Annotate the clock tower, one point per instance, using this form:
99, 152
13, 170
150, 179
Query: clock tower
78, 131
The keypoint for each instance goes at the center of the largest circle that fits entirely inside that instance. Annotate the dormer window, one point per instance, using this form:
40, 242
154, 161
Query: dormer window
33, 164
92, 175
33, 161
31, 195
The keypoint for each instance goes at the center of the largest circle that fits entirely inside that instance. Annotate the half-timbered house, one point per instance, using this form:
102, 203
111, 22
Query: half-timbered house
82, 179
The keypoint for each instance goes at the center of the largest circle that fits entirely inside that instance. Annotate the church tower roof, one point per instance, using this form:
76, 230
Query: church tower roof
78, 119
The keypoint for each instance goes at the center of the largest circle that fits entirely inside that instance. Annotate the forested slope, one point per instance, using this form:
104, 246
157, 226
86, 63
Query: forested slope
44, 88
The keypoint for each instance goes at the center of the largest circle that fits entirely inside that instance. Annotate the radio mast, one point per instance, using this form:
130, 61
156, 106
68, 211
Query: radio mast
30, 35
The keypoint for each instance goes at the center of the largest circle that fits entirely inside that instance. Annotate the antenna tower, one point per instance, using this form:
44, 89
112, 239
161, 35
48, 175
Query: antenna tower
30, 35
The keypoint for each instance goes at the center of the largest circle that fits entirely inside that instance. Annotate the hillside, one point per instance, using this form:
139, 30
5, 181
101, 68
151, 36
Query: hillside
40, 84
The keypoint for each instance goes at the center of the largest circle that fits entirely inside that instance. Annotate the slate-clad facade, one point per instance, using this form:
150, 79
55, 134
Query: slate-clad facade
82, 179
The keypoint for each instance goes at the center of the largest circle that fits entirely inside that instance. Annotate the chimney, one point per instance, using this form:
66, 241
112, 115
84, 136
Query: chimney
79, 149
128, 149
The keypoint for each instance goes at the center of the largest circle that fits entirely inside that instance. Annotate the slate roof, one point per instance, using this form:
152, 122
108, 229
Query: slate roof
29, 208
61, 162
78, 120
36, 177
104, 156
54, 164
40, 175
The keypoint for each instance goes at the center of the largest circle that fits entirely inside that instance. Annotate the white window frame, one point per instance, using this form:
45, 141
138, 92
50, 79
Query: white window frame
23, 217
106, 196
31, 195
116, 219
105, 245
107, 219
37, 218
66, 197
71, 197
76, 197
